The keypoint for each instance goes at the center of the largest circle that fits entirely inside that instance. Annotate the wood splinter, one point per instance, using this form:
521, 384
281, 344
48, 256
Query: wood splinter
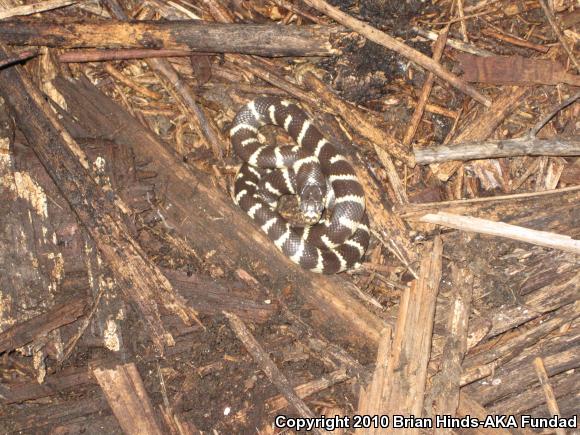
127, 397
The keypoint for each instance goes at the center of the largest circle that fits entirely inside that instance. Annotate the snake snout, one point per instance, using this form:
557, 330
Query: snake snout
312, 200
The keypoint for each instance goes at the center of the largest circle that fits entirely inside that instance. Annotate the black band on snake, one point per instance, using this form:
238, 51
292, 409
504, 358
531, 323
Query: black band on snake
314, 171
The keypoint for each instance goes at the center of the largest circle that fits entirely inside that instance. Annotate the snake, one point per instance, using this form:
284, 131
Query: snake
330, 195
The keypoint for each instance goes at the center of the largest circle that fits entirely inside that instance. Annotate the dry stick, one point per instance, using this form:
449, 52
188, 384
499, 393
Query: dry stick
391, 43
71, 343
130, 83
260, 39
462, 20
548, 391
79, 56
277, 403
438, 48
453, 43
18, 58
415, 211
514, 232
127, 397
268, 367
183, 94
499, 148
483, 127
35, 8
258, 68
515, 40
546, 118
556, 28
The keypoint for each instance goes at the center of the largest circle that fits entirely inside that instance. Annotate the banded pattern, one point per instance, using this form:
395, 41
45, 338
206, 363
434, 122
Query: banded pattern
315, 172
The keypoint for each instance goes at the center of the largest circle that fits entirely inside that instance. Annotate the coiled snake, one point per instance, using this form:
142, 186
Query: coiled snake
313, 170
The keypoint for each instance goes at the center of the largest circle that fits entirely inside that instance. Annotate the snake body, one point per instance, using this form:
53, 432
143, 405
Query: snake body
313, 170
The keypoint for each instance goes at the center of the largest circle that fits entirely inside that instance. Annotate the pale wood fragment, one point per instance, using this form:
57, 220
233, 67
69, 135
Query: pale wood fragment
484, 226
127, 397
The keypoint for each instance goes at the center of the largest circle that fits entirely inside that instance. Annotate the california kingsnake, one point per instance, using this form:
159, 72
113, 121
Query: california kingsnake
315, 172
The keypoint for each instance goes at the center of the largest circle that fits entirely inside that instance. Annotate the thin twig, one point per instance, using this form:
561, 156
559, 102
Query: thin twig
438, 49
542, 122
269, 368
548, 391
25, 55
453, 43
556, 28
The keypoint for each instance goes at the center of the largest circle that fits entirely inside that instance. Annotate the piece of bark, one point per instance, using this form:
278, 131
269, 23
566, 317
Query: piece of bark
193, 206
83, 267
29, 260
404, 384
25, 332
100, 212
514, 70
127, 397
258, 39
499, 148
444, 390
571, 173
569, 18
204, 294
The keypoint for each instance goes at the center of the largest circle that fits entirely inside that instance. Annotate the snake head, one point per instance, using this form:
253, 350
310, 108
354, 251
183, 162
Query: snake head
312, 199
